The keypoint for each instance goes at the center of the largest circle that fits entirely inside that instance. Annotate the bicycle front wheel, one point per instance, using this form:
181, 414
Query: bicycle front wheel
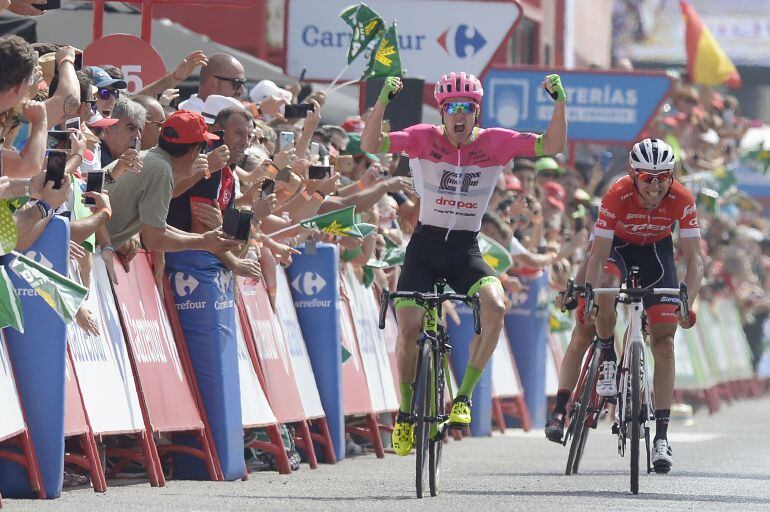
422, 411
580, 432
636, 402
438, 404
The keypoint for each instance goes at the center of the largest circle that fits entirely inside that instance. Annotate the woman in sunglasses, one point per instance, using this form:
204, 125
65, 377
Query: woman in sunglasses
633, 228
455, 168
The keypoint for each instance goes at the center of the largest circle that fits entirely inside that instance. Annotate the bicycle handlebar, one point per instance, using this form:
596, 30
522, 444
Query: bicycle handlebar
636, 293
428, 299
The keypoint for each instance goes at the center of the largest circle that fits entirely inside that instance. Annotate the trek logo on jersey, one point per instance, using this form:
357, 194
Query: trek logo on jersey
450, 181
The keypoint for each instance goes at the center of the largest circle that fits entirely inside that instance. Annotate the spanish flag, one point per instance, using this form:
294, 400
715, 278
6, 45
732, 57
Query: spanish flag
707, 63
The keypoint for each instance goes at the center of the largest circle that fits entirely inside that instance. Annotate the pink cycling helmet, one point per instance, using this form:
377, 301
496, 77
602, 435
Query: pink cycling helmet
458, 85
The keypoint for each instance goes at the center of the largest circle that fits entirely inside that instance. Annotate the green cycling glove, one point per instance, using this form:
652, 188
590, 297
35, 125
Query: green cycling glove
390, 88
557, 90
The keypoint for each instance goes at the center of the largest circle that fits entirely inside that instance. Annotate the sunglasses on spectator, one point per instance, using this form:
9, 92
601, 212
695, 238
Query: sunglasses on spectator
237, 82
463, 107
106, 93
649, 177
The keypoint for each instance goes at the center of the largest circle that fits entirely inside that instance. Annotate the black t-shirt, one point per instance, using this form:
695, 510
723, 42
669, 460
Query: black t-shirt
209, 190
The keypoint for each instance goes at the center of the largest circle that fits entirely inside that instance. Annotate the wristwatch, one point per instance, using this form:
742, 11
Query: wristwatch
45, 209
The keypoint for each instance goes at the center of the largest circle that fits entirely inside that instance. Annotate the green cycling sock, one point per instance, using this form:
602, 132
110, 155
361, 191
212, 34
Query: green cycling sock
470, 379
406, 396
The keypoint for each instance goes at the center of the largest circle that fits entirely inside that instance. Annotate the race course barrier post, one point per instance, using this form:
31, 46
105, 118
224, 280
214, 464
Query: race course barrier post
38, 357
203, 293
460, 337
526, 324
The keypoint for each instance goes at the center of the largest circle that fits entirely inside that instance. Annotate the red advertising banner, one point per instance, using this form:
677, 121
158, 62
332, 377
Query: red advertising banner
355, 390
273, 352
160, 373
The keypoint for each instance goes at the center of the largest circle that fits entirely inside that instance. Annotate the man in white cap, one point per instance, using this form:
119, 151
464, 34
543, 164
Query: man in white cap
214, 104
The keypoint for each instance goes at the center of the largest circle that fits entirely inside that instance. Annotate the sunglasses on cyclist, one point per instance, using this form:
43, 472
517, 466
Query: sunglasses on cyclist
463, 107
106, 93
237, 82
660, 177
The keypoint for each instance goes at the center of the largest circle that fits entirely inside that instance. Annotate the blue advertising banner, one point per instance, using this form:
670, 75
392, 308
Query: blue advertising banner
38, 358
601, 106
526, 324
315, 289
203, 292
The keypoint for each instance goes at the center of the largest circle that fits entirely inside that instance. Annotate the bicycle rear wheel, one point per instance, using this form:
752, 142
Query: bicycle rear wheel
436, 442
636, 399
422, 401
580, 432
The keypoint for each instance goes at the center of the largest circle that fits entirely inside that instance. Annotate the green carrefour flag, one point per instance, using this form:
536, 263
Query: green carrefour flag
63, 295
339, 222
384, 61
494, 254
366, 25
10, 305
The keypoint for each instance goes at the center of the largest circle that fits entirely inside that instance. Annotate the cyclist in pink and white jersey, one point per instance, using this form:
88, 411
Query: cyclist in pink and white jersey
455, 168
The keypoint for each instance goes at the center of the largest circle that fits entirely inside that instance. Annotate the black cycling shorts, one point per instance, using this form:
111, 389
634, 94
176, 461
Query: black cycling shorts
430, 256
657, 269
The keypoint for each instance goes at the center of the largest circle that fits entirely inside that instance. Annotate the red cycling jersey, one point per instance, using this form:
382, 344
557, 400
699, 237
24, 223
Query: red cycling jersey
622, 214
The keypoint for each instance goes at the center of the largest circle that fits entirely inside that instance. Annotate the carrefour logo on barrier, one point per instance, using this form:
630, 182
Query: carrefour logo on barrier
184, 284
462, 41
224, 279
309, 283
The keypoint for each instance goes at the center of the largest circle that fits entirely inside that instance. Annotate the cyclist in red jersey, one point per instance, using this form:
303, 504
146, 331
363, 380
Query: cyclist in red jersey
634, 228
455, 168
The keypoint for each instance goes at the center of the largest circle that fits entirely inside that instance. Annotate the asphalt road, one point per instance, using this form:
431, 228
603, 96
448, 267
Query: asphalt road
721, 463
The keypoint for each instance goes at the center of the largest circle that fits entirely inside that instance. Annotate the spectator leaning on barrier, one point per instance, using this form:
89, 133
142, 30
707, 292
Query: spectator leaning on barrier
140, 201
201, 208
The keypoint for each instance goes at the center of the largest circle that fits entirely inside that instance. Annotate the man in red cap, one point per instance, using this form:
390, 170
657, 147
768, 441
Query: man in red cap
140, 200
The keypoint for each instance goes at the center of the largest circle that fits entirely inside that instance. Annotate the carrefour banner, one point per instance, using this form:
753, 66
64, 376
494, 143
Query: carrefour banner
601, 106
434, 36
203, 292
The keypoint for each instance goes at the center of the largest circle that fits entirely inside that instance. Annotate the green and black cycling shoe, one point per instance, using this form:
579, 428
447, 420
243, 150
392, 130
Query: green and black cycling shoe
554, 427
460, 417
402, 437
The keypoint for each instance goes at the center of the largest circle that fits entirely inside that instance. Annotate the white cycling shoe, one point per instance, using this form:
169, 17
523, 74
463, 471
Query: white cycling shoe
662, 456
607, 384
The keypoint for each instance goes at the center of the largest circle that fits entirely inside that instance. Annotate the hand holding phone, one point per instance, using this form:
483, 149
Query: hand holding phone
237, 223
285, 140
267, 188
54, 171
94, 183
297, 110
319, 172
59, 140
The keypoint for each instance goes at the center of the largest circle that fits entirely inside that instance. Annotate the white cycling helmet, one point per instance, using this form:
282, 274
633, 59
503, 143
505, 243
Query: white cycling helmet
652, 155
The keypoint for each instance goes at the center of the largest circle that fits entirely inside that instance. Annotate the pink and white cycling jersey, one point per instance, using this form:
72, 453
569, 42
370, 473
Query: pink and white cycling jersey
456, 184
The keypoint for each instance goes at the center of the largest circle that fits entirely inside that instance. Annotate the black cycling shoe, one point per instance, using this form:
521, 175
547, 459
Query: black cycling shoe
554, 427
